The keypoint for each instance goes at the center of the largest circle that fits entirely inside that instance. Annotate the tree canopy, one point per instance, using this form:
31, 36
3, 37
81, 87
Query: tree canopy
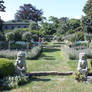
2, 7
87, 19
28, 12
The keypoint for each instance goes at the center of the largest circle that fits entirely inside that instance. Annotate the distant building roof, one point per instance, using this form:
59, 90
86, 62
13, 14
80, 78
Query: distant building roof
16, 23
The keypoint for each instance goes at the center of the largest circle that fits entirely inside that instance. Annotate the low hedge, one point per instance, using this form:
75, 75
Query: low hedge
6, 67
73, 57
34, 53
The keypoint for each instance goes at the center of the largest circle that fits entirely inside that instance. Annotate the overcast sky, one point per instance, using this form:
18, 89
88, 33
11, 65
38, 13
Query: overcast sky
57, 8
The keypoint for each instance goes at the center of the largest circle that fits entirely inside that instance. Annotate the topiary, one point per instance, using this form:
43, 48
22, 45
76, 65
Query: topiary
6, 67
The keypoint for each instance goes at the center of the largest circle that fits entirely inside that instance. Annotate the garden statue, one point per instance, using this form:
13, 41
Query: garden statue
20, 65
82, 64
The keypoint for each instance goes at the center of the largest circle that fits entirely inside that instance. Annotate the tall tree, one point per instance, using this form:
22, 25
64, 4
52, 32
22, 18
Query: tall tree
87, 19
28, 12
74, 25
2, 7
63, 26
54, 21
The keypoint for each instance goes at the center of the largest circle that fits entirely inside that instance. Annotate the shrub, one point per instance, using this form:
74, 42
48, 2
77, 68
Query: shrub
79, 77
6, 67
72, 57
13, 81
34, 53
89, 56
35, 37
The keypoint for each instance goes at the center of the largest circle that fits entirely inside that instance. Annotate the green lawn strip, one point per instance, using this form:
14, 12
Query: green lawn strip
50, 60
54, 84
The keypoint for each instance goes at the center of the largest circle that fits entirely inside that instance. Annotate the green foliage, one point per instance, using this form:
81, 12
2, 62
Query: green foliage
33, 25
35, 37
87, 20
10, 36
79, 77
73, 40
2, 7
11, 82
34, 53
2, 37
27, 36
88, 8
74, 24
63, 26
6, 67
89, 56
79, 36
58, 38
72, 57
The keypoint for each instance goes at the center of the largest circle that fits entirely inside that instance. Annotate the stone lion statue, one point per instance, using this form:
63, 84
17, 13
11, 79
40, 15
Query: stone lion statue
20, 65
83, 64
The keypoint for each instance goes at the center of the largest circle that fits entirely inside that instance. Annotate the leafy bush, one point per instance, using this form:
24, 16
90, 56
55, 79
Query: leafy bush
89, 56
79, 77
72, 57
8, 54
6, 67
35, 53
14, 81
35, 37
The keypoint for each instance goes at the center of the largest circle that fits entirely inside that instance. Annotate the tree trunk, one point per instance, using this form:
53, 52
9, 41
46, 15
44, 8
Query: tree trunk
9, 45
27, 45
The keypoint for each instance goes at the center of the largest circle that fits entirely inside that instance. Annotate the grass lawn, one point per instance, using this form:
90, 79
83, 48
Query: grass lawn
53, 60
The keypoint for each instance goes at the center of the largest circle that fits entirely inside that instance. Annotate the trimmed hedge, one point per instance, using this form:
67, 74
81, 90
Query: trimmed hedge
72, 57
6, 67
34, 53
